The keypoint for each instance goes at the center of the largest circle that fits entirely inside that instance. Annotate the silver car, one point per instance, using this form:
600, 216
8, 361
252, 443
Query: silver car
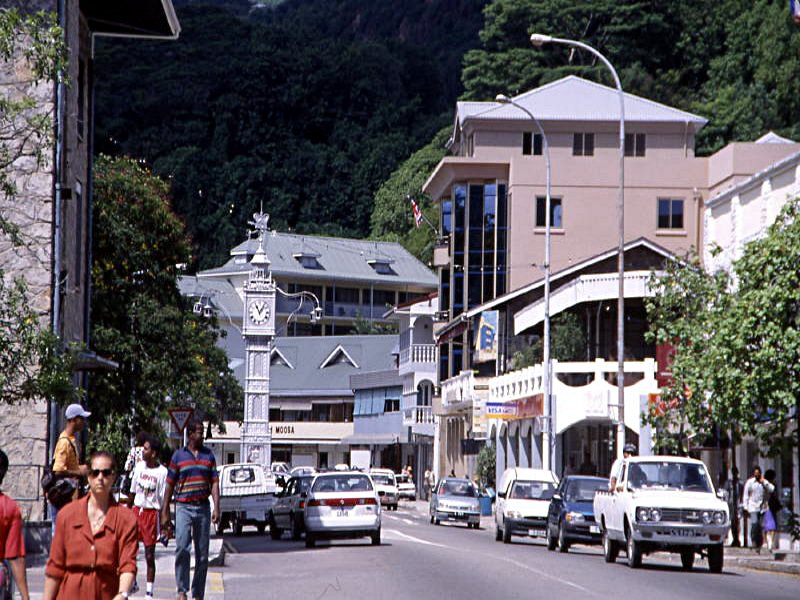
455, 499
342, 504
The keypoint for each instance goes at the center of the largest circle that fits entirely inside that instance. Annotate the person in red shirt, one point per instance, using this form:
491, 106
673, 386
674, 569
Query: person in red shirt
12, 540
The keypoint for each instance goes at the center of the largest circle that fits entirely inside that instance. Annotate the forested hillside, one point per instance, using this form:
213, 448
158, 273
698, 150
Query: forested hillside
735, 62
307, 107
326, 110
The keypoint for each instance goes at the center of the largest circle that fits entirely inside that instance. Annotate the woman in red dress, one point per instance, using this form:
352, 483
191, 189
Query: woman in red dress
93, 554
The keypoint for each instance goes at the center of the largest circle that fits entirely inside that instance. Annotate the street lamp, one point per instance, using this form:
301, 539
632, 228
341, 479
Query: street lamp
546, 379
538, 40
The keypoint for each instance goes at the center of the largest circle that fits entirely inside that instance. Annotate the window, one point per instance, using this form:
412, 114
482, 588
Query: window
532, 143
583, 144
635, 144
670, 213
556, 212
391, 405
343, 295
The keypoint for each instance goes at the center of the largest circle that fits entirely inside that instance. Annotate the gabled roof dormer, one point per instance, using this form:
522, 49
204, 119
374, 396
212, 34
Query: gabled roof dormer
339, 356
277, 358
307, 259
382, 265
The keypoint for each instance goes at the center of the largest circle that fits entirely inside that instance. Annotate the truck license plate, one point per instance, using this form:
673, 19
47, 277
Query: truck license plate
594, 529
459, 514
682, 532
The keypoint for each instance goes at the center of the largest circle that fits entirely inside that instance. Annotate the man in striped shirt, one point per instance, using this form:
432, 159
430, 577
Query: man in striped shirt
191, 479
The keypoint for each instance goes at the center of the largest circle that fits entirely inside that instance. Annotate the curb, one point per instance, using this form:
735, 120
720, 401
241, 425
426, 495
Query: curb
216, 552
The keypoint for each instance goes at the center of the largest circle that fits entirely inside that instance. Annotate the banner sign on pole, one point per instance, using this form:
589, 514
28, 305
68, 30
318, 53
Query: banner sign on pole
486, 338
180, 416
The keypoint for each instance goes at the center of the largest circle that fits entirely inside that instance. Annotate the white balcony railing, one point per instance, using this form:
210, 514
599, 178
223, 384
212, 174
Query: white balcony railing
418, 353
416, 415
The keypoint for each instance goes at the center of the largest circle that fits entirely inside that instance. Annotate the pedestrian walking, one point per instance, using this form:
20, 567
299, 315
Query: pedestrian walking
756, 491
66, 456
93, 553
12, 540
772, 514
192, 476
426, 484
148, 488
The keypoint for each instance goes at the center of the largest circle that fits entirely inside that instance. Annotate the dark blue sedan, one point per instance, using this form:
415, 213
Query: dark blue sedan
570, 518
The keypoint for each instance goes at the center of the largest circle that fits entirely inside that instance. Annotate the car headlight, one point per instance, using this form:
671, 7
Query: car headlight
655, 514
513, 514
575, 516
642, 514
719, 517
707, 516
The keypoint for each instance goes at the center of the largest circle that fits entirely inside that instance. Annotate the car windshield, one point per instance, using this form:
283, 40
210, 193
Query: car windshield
382, 479
304, 483
342, 483
401, 479
583, 490
530, 490
689, 477
458, 488
243, 475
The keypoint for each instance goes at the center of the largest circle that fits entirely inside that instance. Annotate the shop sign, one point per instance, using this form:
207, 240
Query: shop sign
501, 410
530, 407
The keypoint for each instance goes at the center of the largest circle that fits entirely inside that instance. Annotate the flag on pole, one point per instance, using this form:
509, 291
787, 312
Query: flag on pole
417, 212
794, 9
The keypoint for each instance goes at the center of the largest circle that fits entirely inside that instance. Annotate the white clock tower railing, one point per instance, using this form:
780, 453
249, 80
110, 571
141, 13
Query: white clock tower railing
259, 331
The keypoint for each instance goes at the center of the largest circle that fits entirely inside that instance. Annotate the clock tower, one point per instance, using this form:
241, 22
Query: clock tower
258, 331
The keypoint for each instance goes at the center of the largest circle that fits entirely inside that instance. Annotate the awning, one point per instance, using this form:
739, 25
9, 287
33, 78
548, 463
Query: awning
372, 438
453, 329
132, 18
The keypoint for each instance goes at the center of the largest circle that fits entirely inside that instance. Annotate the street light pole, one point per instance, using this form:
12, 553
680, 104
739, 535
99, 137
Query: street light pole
538, 40
547, 381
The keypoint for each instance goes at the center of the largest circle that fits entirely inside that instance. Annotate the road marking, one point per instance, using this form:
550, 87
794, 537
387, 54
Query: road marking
417, 540
215, 582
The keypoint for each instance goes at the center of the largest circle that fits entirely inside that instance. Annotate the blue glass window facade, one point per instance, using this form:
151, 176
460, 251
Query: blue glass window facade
478, 215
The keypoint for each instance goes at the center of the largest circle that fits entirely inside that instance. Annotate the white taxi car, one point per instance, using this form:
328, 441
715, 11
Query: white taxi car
342, 504
386, 485
523, 500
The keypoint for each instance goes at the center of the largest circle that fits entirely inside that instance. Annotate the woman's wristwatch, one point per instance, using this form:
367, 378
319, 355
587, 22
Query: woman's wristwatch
125, 595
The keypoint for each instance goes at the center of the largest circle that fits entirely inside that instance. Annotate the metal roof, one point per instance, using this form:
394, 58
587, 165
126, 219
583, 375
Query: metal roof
306, 355
576, 99
333, 259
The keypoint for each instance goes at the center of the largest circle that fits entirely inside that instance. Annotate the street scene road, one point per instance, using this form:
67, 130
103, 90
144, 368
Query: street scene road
419, 560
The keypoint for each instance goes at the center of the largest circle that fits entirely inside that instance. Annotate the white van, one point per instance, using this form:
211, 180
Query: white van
523, 499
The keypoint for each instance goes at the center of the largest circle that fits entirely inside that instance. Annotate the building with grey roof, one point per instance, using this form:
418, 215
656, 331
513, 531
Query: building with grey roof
351, 278
311, 398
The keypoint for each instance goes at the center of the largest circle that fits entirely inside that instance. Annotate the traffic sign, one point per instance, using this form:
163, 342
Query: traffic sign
180, 416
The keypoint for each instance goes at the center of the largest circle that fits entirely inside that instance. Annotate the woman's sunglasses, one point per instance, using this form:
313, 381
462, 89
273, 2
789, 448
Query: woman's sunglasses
97, 472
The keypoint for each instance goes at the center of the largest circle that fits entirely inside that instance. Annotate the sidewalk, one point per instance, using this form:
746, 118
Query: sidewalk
164, 585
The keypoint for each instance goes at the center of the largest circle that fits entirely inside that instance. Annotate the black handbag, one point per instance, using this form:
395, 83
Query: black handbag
58, 489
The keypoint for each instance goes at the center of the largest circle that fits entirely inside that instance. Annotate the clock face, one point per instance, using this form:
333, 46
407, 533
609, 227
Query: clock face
258, 312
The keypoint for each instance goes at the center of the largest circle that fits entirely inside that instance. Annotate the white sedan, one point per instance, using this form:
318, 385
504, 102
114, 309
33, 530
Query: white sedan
342, 505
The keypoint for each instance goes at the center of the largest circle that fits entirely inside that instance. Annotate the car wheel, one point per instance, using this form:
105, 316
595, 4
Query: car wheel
274, 532
687, 559
431, 519
261, 526
506, 534
310, 541
436, 521
498, 533
376, 537
634, 552
237, 526
715, 558
551, 540
294, 527
563, 544
610, 548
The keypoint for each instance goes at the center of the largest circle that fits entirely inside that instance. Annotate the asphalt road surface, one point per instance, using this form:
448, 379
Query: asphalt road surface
420, 560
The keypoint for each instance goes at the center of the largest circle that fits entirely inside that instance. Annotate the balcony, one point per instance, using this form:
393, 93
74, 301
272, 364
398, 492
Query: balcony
466, 394
420, 419
351, 311
419, 354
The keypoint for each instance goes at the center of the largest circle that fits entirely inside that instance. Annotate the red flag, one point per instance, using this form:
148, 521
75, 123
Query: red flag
417, 212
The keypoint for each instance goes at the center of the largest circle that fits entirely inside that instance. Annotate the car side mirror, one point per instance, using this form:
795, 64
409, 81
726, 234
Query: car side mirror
501, 494
556, 497
620, 488
304, 494
721, 494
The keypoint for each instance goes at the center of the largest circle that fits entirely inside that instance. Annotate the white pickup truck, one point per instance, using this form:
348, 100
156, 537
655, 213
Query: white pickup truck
662, 503
245, 497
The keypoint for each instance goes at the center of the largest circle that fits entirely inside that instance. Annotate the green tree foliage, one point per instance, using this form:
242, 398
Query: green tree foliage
567, 342
736, 339
365, 326
733, 61
307, 108
486, 466
139, 318
392, 218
